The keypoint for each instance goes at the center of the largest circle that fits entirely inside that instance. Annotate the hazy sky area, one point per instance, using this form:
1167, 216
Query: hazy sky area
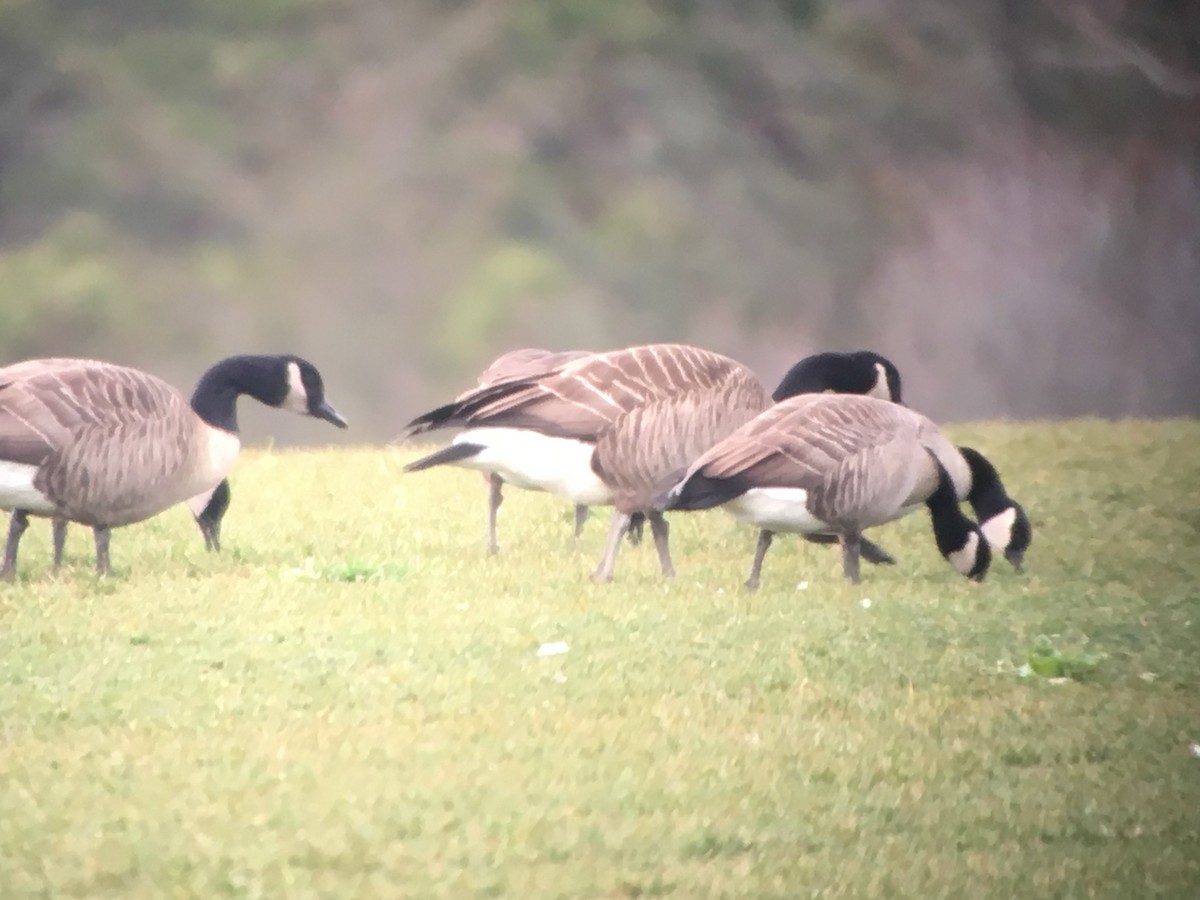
1003, 197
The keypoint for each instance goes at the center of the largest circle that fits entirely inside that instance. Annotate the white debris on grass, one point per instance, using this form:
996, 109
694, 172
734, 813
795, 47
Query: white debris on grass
1194, 750
865, 602
802, 586
554, 648
307, 570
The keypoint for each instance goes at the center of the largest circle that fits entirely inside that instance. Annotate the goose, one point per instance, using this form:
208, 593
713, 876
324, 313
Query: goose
107, 445
834, 464
615, 428
1002, 519
208, 508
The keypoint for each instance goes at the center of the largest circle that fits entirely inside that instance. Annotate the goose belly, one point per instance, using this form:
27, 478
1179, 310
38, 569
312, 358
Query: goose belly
538, 462
17, 490
777, 509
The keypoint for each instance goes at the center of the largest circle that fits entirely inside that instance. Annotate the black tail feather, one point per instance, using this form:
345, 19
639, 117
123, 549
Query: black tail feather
702, 492
452, 454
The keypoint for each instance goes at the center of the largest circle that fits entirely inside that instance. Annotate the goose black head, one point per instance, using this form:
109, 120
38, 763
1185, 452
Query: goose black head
305, 392
287, 382
1001, 518
859, 372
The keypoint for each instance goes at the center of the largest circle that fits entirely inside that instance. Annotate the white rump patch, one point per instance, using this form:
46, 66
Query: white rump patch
777, 509
17, 490
297, 397
880, 387
963, 559
998, 529
538, 462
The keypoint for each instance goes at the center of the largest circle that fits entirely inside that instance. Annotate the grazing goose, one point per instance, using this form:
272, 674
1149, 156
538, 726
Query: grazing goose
835, 464
859, 372
613, 428
106, 445
208, 508
1001, 518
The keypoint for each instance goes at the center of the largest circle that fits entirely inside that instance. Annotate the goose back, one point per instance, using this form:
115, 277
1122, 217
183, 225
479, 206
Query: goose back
649, 410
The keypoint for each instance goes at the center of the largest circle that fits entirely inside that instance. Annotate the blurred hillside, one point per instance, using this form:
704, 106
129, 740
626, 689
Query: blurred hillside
1003, 196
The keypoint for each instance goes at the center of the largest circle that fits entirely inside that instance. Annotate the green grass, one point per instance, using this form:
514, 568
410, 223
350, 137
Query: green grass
348, 702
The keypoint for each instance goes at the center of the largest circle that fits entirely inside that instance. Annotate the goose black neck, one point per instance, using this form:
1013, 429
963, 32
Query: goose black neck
987, 495
951, 528
215, 397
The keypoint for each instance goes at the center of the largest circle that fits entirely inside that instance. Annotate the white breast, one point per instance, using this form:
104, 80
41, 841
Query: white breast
537, 462
219, 452
17, 490
777, 509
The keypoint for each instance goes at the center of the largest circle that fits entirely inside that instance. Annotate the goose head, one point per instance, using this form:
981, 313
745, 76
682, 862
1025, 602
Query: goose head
285, 381
1002, 519
859, 372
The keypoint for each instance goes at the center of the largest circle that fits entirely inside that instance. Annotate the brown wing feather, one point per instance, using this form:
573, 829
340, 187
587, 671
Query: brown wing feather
109, 440
858, 458
699, 398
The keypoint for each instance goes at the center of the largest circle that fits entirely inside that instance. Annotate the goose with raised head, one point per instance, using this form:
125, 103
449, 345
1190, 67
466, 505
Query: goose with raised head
208, 508
834, 464
615, 428
1002, 519
107, 445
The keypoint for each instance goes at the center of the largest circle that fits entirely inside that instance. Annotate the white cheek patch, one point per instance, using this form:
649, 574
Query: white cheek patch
963, 560
999, 528
297, 397
880, 387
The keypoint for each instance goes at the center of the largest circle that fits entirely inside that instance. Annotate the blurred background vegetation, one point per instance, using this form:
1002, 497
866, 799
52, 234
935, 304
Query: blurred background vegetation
1002, 196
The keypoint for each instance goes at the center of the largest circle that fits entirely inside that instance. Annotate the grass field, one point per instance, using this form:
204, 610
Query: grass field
349, 701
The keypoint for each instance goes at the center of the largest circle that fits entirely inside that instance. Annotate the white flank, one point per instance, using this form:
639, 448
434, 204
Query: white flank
998, 529
963, 559
880, 387
297, 397
17, 490
777, 509
537, 462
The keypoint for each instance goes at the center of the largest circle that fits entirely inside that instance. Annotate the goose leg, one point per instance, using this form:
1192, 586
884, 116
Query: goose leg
661, 531
59, 528
495, 498
851, 550
635, 529
616, 531
871, 551
764, 543
581, 514
16, 527
102, 535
